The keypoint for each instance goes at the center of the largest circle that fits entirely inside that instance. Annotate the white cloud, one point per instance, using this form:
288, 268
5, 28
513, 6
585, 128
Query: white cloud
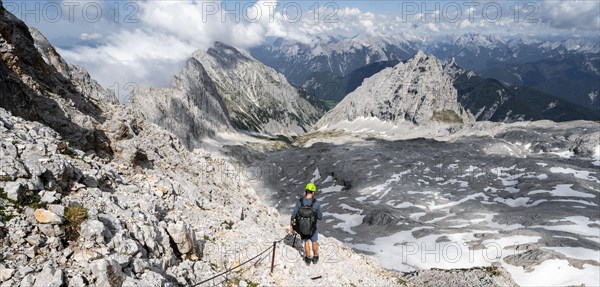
584, 15
93, 36
167, 33
152, 51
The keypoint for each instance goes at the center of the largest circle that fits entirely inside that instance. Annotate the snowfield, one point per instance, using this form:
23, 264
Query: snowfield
460, 203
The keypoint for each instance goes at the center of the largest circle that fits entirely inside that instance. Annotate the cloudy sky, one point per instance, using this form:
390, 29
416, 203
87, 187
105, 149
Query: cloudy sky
146, 42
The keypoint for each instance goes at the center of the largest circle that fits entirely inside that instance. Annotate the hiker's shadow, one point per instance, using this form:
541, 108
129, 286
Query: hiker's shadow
294, 240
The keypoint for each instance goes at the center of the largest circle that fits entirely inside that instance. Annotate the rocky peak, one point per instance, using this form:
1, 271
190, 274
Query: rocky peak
225, 55
417, 92
258, 98
191, 108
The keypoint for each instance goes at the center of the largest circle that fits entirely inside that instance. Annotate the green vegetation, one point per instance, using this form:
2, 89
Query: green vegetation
228, 224
27, 199
401, 281
447, 116
6, 178
250, 283
208, 239
74, 216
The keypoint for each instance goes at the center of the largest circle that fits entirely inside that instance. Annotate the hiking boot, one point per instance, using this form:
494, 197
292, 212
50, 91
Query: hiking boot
315, 259
307, 260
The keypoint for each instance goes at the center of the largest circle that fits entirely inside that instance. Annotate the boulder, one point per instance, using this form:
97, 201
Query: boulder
185, 239
35, 240
45, 216
28, 281
25, 270
107, 273
49, 277
14, 190
6, 274
94, 230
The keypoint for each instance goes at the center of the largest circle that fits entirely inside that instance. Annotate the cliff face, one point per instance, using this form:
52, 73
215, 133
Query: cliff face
417, 92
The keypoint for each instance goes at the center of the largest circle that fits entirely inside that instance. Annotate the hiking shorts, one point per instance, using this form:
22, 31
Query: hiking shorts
313, 238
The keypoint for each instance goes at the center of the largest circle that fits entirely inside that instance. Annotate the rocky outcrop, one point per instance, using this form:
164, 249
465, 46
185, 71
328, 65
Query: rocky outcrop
77, 75
380, 217
417, 92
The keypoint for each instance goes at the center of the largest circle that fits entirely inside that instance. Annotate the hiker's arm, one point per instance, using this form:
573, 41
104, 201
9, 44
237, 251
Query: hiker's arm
319, 212
296, 207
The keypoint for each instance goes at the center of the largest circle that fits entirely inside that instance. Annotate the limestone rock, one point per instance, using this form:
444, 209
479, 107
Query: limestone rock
14, 190
7, 273
107, 273
49, 277
45, 216
94, 230
184, 238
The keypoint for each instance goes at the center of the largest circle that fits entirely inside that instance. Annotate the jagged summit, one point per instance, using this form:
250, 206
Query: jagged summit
227, 56
416, 92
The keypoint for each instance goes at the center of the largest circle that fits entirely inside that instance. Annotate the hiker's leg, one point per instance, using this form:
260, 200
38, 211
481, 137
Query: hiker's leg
307, 248
315, 245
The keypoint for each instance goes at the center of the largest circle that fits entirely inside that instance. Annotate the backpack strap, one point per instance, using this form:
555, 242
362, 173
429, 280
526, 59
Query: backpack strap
301, 199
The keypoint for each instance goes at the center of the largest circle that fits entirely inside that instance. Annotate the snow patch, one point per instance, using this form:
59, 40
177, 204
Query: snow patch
564, 190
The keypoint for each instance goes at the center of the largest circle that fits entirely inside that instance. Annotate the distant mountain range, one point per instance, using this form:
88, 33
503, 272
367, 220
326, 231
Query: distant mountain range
340, 56
328, 67
485, 98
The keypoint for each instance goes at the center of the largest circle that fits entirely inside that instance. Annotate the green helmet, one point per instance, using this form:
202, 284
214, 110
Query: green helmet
311, 187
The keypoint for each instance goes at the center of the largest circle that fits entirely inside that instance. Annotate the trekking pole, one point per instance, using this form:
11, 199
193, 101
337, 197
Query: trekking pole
294, 243
273, 258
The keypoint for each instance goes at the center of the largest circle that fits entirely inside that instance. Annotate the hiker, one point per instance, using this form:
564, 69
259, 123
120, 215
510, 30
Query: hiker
304, 221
